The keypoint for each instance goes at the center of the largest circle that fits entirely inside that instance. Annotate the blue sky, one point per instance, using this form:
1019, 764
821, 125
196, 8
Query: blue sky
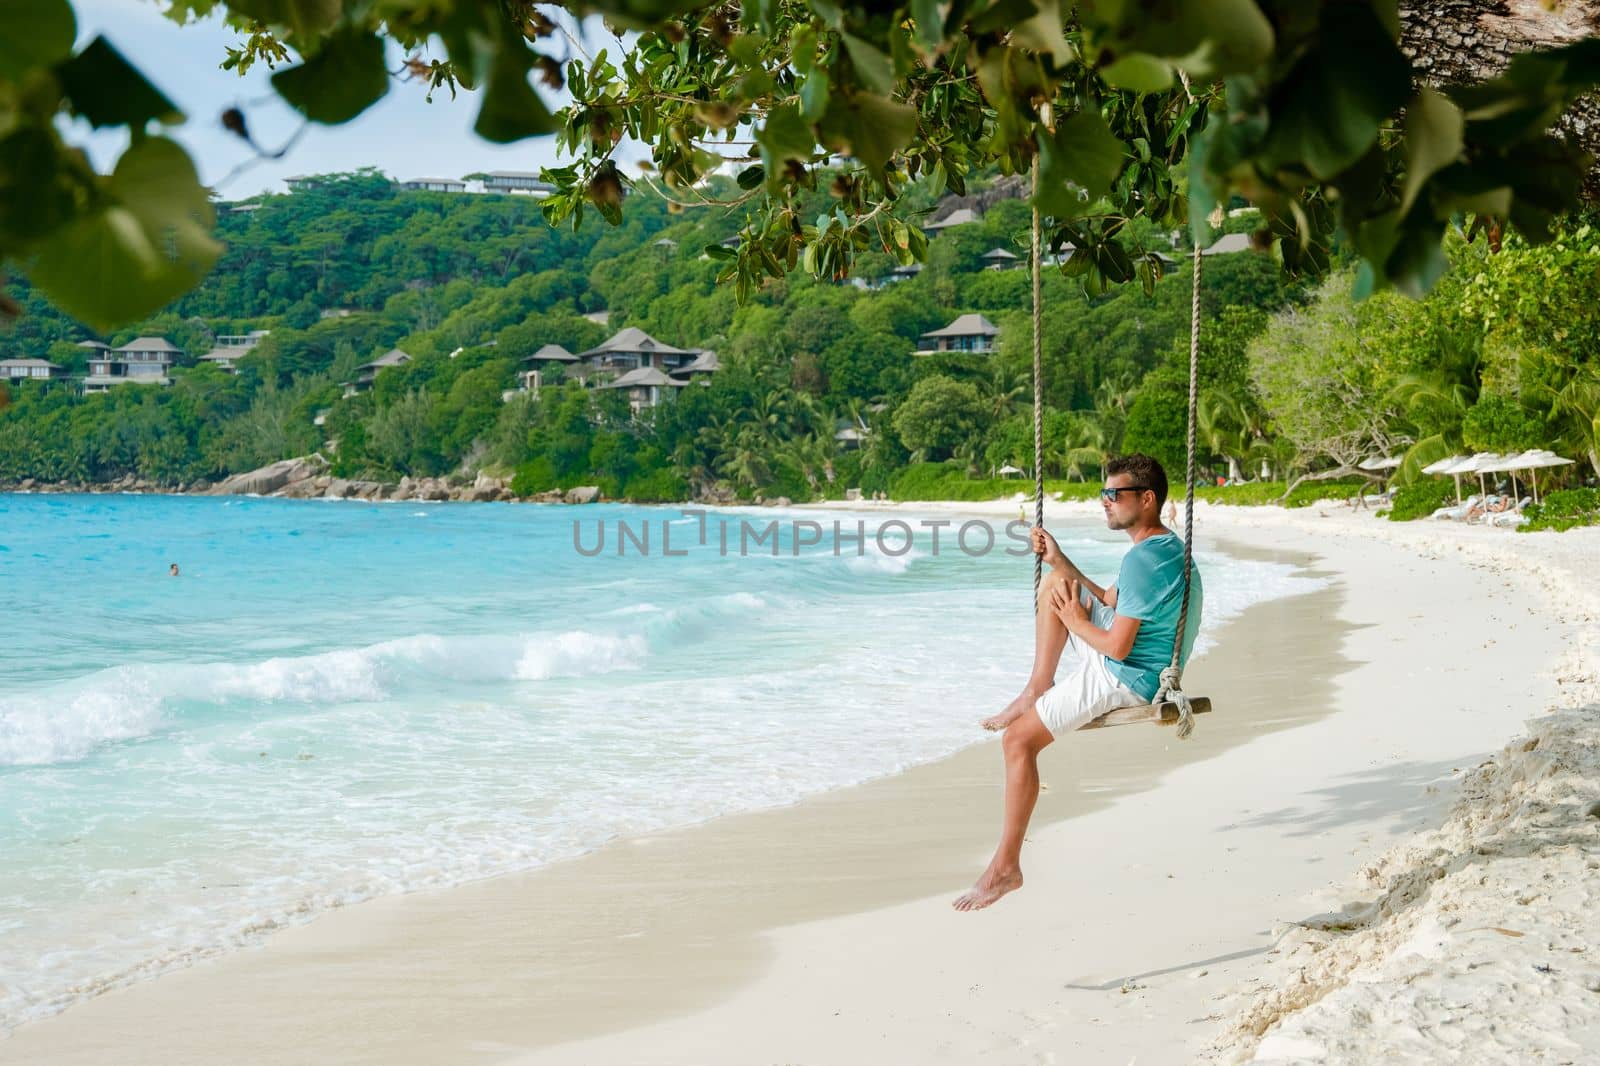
402, 135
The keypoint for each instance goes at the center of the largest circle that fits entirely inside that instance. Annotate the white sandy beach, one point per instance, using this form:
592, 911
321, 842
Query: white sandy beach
1333, 870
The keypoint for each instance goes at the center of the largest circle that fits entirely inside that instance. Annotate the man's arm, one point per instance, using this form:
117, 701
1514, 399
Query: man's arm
1056, 559
1114, 643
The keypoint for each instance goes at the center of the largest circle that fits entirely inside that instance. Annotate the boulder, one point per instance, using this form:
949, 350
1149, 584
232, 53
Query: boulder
304, 489
26, 484
484, 481
852, 494
270, 478
583, 494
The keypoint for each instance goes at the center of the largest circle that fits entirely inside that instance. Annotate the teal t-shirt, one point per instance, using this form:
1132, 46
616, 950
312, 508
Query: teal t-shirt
1150, 588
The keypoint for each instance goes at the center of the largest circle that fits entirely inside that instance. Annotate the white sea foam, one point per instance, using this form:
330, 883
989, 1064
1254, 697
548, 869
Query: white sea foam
66, 722
583, 653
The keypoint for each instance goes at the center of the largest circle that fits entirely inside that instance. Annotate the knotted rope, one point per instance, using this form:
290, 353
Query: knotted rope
1038, 394
1172, 677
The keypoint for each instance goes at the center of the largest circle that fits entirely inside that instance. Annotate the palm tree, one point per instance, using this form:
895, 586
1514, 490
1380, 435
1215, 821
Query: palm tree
812, 455
1088, 443
1223, 428
1003, 392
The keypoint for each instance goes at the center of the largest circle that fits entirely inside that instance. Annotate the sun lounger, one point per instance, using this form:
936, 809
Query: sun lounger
1459, 511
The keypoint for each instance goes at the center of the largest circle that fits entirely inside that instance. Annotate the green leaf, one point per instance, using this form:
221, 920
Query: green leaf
720, 251
1207, 38
148, 245
306, 18
344, 78
751, 177
1418, 260
814, 94
874, 68
929, 26
1433, 141
511, 109
1140, 74
641, 14
1042, 33
106, 89
871, 128
1328, 109
785, 136
828, 11
37, 33
1077, 164
37, 190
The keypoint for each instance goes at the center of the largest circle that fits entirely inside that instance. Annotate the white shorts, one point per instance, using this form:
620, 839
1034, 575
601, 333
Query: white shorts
1085, 687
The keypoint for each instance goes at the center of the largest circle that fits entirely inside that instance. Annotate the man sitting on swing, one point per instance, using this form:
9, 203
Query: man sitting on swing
1117, 639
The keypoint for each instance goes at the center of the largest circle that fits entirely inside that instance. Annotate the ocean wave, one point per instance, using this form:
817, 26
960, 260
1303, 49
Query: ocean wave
67, 721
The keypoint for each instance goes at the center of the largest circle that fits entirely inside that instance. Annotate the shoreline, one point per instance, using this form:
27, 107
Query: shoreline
334, 981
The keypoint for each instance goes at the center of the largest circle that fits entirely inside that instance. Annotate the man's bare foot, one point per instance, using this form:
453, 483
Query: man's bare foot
989, 888
1014, 710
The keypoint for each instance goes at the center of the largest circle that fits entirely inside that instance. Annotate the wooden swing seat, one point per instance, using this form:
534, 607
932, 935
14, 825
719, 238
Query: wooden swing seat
1159, 713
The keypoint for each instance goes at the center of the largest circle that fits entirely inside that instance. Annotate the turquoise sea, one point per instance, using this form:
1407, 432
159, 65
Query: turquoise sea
340, 700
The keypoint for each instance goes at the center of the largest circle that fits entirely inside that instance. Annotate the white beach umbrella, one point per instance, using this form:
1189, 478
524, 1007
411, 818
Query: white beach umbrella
1008, 470
1455, 466
1538, 459
1484, 463
1506, 463
1376, 464
1442, 466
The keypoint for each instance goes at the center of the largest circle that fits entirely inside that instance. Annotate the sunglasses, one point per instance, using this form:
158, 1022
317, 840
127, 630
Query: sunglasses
1111, 494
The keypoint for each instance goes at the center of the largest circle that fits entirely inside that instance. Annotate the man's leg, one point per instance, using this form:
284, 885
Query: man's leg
1025, 738
1049, 638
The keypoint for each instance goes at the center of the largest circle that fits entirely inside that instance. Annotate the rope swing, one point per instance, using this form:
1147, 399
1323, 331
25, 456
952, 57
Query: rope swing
1171, 704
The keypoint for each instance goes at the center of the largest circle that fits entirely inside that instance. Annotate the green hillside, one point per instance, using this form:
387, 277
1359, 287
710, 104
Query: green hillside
348, 267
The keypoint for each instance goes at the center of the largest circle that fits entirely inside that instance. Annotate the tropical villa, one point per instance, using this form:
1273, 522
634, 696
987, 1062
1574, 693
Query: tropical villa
142, 361
961, 216
850, 433
646, 387
434, 185
233, 347
631, 359
999, 259
29, 370
632, 349
367, 373
540, 362
705, 364
968, 333
516, 181
1228, 242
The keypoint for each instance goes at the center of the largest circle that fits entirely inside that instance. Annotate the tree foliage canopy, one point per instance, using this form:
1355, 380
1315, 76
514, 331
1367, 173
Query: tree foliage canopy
1308, 108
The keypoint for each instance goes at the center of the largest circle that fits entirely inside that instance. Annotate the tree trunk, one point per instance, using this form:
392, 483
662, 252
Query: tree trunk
1328, 475
1459, 42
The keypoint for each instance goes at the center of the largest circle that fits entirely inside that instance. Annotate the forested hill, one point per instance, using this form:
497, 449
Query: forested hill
349, 267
